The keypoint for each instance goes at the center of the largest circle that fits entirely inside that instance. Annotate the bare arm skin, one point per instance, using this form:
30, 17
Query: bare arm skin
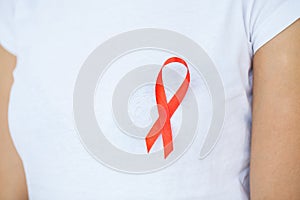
275, 153
12, 178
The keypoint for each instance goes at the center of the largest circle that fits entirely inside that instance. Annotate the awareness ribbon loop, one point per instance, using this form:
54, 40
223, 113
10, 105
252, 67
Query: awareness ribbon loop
162, 125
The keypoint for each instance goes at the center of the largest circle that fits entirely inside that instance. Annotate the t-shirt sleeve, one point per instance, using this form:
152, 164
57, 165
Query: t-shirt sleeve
7, 25
270, 17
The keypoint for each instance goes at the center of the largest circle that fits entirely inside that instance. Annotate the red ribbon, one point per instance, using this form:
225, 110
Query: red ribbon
166, 109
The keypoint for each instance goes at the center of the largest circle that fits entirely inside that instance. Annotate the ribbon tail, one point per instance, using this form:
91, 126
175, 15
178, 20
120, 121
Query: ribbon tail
153, 134
167, 138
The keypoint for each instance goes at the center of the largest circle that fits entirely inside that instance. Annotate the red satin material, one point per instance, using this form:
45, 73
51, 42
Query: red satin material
166, 109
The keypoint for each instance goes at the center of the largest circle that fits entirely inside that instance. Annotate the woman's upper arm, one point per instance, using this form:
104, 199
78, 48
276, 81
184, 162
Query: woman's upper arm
12, 178
275, 145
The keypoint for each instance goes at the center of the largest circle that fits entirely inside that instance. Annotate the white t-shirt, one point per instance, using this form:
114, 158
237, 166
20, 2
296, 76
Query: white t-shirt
62, 74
